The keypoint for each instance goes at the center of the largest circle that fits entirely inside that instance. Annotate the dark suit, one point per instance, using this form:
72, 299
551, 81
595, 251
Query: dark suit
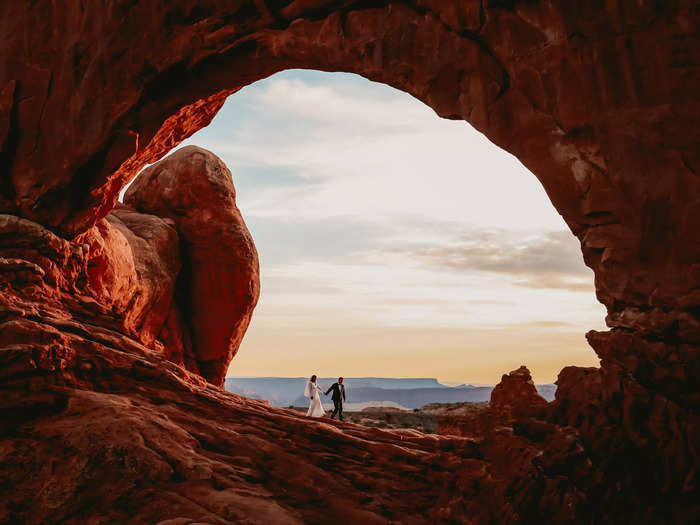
338, 398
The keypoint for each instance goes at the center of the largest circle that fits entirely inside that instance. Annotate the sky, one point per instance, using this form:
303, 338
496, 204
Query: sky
393, 242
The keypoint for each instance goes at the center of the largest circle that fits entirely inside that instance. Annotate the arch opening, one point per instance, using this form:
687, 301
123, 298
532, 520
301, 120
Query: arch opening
387, 235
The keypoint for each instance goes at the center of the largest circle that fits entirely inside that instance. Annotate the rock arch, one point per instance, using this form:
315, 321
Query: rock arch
597, 99
573, 92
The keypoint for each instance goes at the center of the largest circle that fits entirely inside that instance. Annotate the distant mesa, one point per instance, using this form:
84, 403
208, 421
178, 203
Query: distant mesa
408, 393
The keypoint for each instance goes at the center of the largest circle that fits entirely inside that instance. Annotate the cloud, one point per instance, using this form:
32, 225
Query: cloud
549, 282
356, 103
497, 251
339, 239
551, 260
313, 144
544, 324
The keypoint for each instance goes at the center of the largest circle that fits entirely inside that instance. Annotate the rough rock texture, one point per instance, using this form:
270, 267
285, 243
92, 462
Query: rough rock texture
517, 391
154, 247
513, 400
219, 281
598, 99
121, 435
185, 286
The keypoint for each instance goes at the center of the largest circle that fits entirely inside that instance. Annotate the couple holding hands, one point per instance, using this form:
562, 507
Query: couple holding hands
313, 392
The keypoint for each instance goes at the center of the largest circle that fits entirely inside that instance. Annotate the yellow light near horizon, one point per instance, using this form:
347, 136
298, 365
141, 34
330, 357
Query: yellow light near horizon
451, 355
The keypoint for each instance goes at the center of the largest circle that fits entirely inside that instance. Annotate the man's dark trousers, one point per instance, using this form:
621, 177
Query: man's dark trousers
338, 404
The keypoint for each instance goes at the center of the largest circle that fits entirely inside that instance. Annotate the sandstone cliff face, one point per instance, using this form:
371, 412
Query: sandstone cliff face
598, 99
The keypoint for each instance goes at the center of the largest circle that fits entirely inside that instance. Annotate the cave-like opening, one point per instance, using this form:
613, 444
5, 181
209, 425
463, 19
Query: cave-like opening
393, 242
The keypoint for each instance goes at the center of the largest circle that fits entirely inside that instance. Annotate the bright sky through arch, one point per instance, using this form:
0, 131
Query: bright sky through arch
395, 243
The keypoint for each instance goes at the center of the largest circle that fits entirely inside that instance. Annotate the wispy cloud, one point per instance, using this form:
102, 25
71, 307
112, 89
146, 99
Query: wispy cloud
343, 146
550, 260
552, 282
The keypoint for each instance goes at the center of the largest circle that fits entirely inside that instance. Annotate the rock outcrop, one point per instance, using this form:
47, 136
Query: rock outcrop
599, 100
218, 284
118, 434
179, 275
517, 392
514, 399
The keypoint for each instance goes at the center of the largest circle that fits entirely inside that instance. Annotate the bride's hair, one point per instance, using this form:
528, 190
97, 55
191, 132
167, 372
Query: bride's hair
313, 378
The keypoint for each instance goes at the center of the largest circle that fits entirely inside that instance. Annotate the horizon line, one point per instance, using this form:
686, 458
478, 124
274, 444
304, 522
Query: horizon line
457, 383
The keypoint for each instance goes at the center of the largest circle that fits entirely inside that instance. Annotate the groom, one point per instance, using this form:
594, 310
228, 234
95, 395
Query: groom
338, 398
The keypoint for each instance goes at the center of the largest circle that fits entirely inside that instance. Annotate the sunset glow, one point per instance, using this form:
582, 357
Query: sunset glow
395, 243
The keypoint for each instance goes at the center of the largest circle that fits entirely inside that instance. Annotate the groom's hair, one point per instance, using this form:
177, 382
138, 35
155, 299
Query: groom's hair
340, 380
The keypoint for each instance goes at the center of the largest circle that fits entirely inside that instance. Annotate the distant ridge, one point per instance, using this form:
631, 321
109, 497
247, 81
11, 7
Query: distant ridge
397, 382
407, 392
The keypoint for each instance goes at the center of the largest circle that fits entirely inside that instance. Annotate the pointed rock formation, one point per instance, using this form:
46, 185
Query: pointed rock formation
517, 391
513, 399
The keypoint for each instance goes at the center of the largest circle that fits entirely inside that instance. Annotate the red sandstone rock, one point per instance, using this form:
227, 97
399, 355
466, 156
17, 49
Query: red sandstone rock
219, 282
513, 399
517, 391
599, 100
155, 247
119, 434
132, 262
129, 265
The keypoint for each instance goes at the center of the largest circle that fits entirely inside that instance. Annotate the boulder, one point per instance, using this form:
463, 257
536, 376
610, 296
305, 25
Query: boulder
219, 283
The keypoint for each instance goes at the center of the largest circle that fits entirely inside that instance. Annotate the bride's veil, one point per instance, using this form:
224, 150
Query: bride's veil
307, 389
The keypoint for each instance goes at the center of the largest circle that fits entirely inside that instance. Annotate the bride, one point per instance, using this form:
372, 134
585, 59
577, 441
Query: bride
312, 391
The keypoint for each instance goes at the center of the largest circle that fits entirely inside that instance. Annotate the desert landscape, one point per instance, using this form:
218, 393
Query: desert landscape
367, 392
119, 320
424, 419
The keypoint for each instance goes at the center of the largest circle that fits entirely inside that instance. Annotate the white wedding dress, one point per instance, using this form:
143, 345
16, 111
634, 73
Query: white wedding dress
313, 391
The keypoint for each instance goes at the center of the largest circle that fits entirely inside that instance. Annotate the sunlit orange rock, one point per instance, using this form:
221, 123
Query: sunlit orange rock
218, 284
